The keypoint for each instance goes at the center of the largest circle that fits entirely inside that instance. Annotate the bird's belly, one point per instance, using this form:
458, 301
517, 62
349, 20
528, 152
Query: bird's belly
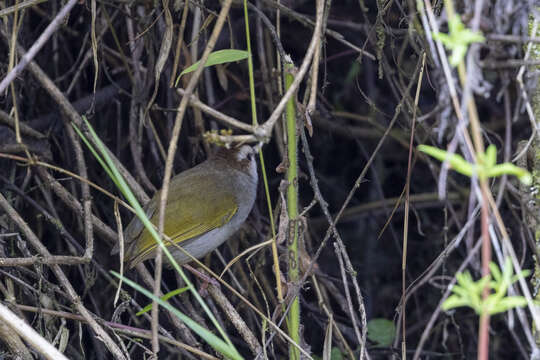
203, 244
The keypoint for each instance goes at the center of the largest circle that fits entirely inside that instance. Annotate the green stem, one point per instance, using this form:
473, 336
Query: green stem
250, 68
292, 209
277, 272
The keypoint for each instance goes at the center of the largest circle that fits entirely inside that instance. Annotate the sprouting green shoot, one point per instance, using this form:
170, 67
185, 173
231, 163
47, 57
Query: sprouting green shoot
486, 167
458, 39
468, 292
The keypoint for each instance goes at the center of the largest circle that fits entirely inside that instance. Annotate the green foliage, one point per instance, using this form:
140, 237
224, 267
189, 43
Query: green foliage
468, 292
381, 331
216, 58
458, 39
165, 297
336, 354
485, 168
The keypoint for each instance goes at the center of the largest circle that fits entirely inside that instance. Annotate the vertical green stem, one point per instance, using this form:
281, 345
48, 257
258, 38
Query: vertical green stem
292, 209
250, 68
277, 272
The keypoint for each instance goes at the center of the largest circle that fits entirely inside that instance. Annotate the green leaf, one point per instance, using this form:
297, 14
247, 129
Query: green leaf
456, 161
523, 273
336, 354
454, 301
508, 168
381, 331
491, 156
218, 57
458, 53
508, 303
458, 39
496, 272
165, 297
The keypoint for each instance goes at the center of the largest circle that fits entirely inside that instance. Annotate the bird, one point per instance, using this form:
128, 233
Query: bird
206, 205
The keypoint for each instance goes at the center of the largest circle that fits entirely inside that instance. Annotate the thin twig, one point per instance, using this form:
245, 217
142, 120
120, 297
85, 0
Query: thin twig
38, 342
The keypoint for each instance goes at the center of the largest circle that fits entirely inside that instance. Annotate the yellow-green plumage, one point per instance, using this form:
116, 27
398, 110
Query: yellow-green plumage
206, 205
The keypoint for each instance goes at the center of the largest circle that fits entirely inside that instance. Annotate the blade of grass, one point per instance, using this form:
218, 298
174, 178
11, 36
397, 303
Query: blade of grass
165, 297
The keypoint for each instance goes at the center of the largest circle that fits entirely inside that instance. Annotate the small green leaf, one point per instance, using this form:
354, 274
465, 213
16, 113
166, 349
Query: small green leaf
458, 39
491, 156
508, 303
218, 57
165, 297
458, 53
496, 272
456, 161
523, 274
336, 354
510, 169
454, 301
381, 331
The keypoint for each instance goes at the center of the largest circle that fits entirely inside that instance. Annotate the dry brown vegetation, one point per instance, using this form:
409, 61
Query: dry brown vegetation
116, 62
